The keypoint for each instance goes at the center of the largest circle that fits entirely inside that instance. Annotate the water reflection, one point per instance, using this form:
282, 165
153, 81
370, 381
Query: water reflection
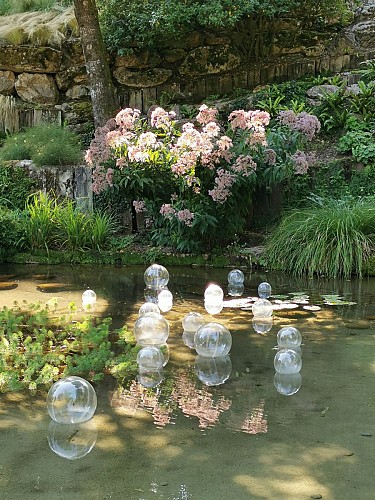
72, 441
287, 383
213, 371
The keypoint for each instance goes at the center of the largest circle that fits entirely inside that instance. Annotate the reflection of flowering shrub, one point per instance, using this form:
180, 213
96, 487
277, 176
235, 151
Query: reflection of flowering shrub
195, 180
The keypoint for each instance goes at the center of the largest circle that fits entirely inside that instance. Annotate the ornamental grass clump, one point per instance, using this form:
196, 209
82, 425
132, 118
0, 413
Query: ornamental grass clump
331, 238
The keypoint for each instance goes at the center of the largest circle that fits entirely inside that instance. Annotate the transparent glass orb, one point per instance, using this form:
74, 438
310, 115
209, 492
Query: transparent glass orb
150, 357
188, 339
287, 383
148, 307
213, 295
71, 400
150, 378
88, 300
235, 290
264, 290
164, 349
151, 329
192, 321
156, 277
236, 277
287, 361
72, 441
262, 308
214, 308
289, 337
165, 301
262, 325
213, 340
151, 295
213, 371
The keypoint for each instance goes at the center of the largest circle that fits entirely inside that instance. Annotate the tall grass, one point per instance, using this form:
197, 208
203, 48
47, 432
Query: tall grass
331, 238
42, 213
102, 226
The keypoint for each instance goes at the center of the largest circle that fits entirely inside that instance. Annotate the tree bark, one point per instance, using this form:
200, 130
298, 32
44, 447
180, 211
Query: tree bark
102, 90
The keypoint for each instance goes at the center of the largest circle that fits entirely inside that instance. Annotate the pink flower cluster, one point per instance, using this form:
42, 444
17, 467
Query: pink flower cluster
253, 121
302, 161
162, 119
185, 216
306, 124
223, 182
244, 165
139, 206
206, 115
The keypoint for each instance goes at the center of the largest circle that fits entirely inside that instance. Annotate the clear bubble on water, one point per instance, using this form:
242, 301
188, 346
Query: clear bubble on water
213, 371
148, 307
264, 290
213, 340
289, 337
213, 295
214, 308
88, 300
236, 290
165, 300
151, 329
72, 441
150, 378
236, 277
287, 361
262, 308
150, 358
192, 321
262, 325
287, 383
156, 277
71, 400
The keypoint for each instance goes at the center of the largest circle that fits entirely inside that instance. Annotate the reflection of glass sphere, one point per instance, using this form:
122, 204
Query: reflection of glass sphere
165, 300
88, 300
150, 378
156, 277
236, 277
148, 307
164, 349
72, 441
262, 308
188, 339
287, 361
214, 308
287, 383
213, 371
264, 290
289, 337
151, 295
150, 358
235, 290
262, 325
71, 400
192, 321
151, 329
213, 295
213, 340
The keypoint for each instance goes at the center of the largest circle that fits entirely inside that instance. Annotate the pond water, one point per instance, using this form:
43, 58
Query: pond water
243, 439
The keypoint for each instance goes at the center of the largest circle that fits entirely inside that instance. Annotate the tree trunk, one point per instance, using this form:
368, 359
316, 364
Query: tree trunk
102, 90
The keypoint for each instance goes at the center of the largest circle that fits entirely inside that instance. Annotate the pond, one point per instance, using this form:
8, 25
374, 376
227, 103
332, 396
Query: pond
243, 439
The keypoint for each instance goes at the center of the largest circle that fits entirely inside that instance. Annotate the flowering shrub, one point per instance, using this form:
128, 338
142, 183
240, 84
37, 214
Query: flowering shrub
195, 180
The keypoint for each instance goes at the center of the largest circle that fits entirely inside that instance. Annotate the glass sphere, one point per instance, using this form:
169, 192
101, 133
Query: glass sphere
262, 325
71, 441
262, 308
236, 277
148, 307
287, 361
213, 295
164, 349
214, 308
192, 321
289, 337
150, 378
151, 329
188, 339
71, 400
88, 300
150, 358
165, 301
213, 371
156, 277
287, 383
235, 290
264, 290
213, 340
151, 295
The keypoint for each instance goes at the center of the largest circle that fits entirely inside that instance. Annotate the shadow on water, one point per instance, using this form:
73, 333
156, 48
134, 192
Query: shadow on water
242, 439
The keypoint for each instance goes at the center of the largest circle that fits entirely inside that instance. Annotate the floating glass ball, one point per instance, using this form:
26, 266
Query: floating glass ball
151, 329
235, 290
262, 308
156, 277
192, 321
71, 400
88, 300
236, 277
213, 340
287, 361
165, 301
287, 383
214, 308
262, 325
164, 349
71, 441
289, 337
150, 378
264, 290
188, 339
150, 358
213, 295
151, 295
213, 371
148, 307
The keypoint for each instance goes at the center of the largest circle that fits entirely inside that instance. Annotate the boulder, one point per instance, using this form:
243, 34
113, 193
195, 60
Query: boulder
143, 78
7, 81
30, 59
210, 60
37, 89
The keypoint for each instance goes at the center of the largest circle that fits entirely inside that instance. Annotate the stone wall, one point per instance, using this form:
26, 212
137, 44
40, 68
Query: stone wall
50, 83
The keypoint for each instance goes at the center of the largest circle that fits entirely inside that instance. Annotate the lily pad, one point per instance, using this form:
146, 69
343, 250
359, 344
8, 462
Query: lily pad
8, 285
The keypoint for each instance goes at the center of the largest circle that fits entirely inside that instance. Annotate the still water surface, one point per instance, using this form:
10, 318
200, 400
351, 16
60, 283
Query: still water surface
242, 439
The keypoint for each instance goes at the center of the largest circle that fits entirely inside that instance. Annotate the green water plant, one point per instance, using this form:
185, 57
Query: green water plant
329, 238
